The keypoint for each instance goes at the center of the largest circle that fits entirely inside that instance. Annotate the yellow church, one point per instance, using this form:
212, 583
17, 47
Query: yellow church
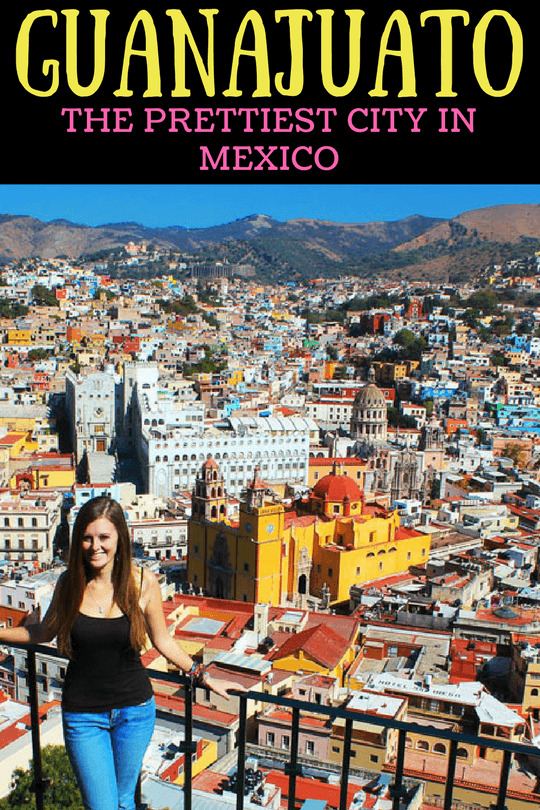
277, 553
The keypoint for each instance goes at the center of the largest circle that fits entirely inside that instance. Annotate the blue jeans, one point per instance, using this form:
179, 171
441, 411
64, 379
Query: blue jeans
106, 751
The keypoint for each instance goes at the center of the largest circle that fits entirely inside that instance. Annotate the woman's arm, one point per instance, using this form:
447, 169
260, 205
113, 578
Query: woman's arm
157, 627
166, 645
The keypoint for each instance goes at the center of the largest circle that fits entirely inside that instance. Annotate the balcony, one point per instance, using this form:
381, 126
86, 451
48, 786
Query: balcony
508, 791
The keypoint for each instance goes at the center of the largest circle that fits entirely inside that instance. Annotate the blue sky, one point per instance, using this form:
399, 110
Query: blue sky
195, 206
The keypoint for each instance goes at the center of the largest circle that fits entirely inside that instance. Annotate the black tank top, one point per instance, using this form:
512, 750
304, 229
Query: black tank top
105, 671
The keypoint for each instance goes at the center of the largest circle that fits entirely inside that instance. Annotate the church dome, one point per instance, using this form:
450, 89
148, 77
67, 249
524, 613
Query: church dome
336, 488
369, 416
370, 396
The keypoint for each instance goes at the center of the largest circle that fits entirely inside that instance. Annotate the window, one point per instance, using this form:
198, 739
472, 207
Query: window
310, 747
285, 741
330, 572
439, 748
270, 738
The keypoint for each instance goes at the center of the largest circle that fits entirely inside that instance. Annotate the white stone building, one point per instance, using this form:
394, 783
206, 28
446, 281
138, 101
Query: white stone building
164, 538
29, 592
277, 446
28, 524
172, 441
91, 408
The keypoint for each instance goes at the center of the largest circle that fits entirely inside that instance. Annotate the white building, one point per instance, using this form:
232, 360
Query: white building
29, 592
277, 446
91, 408
28, 525
16, 736
172, 442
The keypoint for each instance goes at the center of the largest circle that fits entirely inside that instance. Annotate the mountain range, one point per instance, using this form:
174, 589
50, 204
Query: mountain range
413, 247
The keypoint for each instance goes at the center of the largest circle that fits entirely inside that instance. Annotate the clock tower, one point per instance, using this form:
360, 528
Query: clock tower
261, 540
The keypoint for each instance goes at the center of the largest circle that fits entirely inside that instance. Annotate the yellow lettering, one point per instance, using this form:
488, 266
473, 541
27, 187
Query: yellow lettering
181, 31
405, 53
100, 16
446, 16
22, 54
479, 53
296, 84
260, 53
151, 54
355, 15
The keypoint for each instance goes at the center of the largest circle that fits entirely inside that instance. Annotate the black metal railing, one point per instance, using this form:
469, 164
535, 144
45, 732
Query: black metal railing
293, 769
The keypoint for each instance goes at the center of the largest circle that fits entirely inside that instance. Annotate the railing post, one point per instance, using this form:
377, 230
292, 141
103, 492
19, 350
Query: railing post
345, 764
450, 774
503, 783
397, 790
188, 747
241, 762
292, 769
39, 783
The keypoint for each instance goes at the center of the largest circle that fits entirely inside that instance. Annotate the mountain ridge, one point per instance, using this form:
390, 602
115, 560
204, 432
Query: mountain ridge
415, 245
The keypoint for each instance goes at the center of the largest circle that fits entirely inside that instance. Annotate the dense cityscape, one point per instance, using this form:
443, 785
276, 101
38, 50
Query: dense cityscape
337, 482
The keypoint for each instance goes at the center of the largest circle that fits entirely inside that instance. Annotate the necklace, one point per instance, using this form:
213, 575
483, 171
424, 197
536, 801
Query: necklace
100, 608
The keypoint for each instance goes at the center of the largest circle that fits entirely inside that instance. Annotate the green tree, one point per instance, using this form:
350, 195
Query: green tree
61, 791
398, 419
44, 297
12, 310
38, 354
411, 345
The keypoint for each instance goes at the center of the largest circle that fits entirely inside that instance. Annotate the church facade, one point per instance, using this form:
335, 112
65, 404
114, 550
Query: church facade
280, 554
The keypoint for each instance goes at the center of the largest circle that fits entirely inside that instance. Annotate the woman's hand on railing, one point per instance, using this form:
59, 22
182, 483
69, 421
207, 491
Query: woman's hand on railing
222, 687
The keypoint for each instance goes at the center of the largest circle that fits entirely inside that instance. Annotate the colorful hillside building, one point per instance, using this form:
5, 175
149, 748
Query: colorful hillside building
279, 553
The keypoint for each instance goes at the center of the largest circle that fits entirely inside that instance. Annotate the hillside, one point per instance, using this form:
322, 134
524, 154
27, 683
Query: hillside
413, 247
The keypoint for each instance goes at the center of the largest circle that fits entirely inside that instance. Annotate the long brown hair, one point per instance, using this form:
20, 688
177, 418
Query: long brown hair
75, 579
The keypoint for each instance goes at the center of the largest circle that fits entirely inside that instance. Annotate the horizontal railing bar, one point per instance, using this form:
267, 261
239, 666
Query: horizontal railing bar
338, 712
385, 722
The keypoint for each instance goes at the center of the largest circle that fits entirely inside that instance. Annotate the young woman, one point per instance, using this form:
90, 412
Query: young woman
102, 609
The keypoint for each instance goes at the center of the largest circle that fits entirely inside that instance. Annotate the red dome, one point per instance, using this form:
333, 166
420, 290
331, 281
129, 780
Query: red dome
337, 488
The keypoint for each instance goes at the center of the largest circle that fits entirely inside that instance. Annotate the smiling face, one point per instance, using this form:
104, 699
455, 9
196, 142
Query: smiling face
99, 545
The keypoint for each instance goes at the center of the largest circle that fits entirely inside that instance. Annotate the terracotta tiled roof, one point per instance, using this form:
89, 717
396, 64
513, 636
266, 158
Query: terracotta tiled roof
322, 644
